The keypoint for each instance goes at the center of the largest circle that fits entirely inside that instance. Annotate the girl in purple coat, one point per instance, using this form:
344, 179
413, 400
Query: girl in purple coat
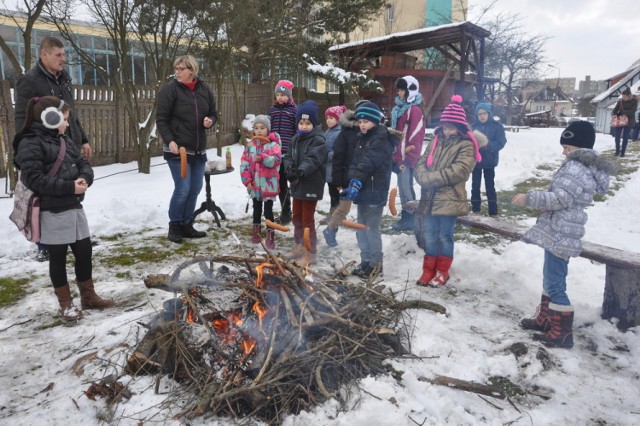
259, 172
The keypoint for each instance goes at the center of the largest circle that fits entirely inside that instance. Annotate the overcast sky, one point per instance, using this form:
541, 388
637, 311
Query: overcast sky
600, 38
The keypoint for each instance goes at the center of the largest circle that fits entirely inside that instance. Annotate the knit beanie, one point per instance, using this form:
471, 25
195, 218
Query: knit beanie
369, 111
335, 111
309, 110
483, 106
263, 119
285, 87
410, 85
580, 134
454, 114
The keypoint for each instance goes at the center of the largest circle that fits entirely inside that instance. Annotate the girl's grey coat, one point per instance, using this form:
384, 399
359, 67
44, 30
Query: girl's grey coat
561, 226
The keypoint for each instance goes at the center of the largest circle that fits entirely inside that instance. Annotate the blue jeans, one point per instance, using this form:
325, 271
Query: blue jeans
370, 240
438, 235
186, 190
489, 187
405, 185
623, 132
554, 278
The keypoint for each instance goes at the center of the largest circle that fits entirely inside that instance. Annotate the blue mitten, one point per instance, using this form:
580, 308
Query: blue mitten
351, 192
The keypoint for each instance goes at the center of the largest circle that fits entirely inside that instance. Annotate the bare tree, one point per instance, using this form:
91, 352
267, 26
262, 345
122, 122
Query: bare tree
28, 12
513, 56
153, 27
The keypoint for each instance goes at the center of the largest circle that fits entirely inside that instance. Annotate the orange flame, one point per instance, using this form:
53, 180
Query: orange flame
248, 344
260, 311
259, 269
191, 316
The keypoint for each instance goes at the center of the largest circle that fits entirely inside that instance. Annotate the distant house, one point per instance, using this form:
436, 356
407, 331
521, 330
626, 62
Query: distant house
606, 100
552, 99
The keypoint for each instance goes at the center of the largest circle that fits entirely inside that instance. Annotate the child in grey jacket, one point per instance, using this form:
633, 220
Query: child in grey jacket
561, 226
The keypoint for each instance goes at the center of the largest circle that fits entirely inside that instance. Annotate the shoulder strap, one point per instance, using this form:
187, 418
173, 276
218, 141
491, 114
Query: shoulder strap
61, 153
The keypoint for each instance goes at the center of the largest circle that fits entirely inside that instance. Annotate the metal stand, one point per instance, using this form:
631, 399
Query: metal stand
209, 205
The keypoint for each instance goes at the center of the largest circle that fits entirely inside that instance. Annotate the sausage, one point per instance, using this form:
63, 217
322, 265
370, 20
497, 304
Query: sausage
261, 138
183, 162
276, 226
392, 201
354, 225
307, 239
410, 148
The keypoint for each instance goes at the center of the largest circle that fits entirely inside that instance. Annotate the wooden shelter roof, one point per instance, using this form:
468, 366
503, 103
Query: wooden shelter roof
411, 40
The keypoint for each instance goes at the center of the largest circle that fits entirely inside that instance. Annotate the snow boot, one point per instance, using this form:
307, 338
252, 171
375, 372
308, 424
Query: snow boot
285, 218
359, 270
255, 237
175, 232
443, 264
370, 271
296, 253
330, 237
325, 220
67, 310
270, 241
89, 299
43, 254
428, 270
560, 334
540, 321
188, 231
405, 223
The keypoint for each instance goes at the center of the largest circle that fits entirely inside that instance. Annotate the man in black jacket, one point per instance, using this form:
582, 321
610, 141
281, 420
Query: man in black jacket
48, 78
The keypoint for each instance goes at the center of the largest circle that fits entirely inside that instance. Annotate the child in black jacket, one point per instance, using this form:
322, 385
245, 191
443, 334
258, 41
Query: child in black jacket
369, 180
305, 165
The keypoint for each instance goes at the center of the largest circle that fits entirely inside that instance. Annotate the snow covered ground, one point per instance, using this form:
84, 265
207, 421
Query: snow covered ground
45, 370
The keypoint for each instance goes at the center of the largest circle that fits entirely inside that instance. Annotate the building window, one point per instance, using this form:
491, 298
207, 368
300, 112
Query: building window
391, 12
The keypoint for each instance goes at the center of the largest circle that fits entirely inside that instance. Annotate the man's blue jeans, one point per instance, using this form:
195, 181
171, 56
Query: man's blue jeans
186, 190
554, 278
438, 235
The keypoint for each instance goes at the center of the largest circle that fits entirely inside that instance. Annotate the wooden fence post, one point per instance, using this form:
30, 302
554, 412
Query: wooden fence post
622, 296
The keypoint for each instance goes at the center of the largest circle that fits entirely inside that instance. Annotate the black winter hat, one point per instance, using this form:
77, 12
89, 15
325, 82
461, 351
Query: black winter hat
401, 84
580, 134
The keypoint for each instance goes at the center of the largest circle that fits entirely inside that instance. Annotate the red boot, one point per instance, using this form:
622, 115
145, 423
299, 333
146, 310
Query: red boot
428, 270
255, 238
540, 321
270, 241
442, 272
560, 335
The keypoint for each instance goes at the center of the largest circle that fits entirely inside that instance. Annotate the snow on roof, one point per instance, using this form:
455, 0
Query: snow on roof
623, 82
395, 35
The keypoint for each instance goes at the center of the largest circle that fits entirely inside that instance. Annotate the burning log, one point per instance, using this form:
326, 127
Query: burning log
265, 337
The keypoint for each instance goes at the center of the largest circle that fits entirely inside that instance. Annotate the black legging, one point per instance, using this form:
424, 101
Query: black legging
257, 210
82, 251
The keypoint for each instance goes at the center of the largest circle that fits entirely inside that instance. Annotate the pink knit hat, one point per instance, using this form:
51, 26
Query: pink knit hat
454, 114
335, 111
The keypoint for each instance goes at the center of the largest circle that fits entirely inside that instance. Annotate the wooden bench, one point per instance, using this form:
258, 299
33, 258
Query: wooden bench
622, 281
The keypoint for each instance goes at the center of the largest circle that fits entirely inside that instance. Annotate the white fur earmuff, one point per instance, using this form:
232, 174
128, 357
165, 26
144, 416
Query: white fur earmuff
52, 117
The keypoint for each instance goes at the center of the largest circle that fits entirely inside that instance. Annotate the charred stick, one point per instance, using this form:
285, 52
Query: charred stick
293, 319
465, 385
208, 326
308, 317
323, 390
420, 304
265, 363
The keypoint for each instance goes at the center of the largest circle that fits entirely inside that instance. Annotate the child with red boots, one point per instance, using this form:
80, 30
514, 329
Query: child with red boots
259, 172
442, 172
305, 163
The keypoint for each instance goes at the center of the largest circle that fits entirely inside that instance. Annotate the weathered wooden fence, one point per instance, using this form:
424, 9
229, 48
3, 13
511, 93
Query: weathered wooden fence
105, 121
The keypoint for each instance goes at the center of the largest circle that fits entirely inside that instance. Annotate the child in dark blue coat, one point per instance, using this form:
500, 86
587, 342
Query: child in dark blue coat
494, 132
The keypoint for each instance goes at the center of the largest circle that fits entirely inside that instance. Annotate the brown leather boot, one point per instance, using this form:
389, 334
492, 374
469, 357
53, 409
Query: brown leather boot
67, 310
88, 297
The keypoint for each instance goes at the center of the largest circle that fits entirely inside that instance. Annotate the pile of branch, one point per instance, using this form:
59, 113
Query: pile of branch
322, 332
